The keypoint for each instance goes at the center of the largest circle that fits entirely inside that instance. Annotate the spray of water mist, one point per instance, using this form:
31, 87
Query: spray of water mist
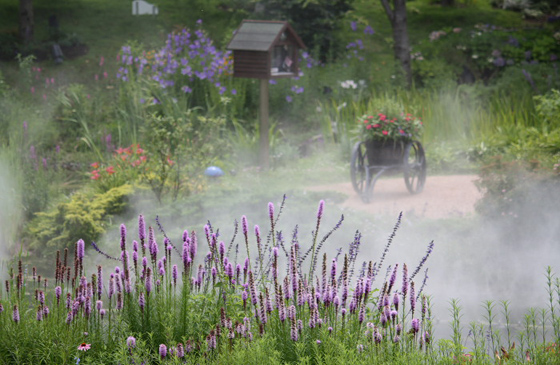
10, 214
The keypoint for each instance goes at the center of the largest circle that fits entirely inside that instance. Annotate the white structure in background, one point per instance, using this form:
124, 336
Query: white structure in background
141, 7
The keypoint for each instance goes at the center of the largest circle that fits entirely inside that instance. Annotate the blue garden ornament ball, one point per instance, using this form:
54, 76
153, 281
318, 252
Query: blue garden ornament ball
213, 171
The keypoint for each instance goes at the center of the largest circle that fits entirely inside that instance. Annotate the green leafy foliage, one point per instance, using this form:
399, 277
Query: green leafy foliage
86, 215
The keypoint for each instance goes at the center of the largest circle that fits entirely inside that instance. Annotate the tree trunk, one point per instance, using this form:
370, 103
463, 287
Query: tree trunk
401, 43
26, 20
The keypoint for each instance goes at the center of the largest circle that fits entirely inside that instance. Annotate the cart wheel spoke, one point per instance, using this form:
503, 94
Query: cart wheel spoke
414, 166
359, 171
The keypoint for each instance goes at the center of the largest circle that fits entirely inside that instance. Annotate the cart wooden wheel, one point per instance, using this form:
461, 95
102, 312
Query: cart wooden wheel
414, 167
359, 171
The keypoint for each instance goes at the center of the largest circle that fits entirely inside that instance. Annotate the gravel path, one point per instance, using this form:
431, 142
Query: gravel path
443, 197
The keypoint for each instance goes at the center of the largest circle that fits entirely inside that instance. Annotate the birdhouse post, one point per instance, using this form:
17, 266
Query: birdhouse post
265, 50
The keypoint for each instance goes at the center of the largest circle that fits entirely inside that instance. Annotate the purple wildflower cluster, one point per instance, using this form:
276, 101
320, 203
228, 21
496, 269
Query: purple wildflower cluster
188, 57
355, 47
311, 306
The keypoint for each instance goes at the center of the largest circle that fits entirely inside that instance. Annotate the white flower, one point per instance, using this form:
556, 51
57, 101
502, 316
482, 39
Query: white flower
348, 84
475, 56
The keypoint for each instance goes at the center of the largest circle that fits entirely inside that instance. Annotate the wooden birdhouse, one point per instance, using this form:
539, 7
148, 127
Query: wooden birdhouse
265, 50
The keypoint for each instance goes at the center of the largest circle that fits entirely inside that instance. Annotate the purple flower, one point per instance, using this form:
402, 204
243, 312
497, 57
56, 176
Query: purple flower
404, 288
80, 246
320, 209
162, 351
131, 342
289, 98
15, 315
141, 301
415, 325
354, 26
396, 301
293, 331
180, 350
141, 228
369, 30
175, 274
58, 292
123, 237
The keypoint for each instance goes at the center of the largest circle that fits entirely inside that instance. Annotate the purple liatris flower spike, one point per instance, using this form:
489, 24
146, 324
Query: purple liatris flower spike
141, 301
396, 301
293, 330
15, 314
415, 325
404, 288
80, 246
152, 244
244, 226
412, 297
58, 293
111, 286
333, 270
141, 228
383, 319
180, 351
99, 281
99, 305
393, 278
175, 274
320, 209
131, 342
193, 245
148, 280
377, 336
229, 270
162, 351
123, 237
271, 213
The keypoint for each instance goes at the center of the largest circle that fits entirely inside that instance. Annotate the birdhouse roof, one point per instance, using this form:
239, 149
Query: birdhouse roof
261, 35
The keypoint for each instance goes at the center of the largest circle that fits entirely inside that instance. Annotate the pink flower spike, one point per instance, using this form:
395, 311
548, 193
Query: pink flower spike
32, 89
101, 61
84, 346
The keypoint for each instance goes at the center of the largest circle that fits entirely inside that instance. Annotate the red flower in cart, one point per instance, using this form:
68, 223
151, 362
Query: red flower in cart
384, 125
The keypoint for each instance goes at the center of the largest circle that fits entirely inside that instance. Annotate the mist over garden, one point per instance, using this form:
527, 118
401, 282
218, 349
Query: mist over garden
139, 224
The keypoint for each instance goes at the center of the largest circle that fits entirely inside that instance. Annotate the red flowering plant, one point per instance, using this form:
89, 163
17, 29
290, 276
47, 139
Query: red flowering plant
384, 126
124, 167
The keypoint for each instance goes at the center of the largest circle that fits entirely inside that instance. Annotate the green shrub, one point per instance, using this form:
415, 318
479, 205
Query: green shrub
85, 216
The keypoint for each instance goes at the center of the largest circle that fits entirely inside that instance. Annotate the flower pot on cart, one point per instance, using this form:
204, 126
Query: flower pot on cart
372, 158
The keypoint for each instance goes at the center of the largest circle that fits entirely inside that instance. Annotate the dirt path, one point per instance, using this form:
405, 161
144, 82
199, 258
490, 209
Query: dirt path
443, 197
